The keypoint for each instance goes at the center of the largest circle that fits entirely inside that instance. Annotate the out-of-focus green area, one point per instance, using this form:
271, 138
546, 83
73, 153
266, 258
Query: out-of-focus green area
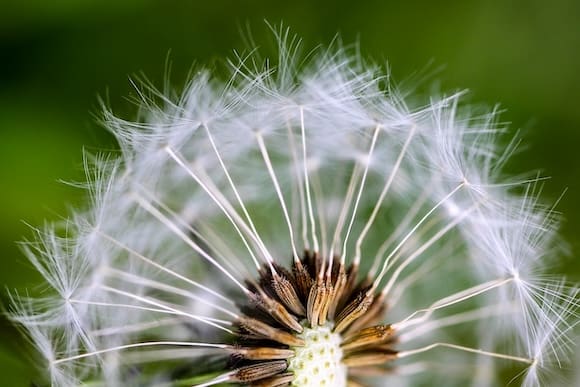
57, 56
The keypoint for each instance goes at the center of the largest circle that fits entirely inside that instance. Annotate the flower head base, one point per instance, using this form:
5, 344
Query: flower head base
318, 318
301, 225
319, 360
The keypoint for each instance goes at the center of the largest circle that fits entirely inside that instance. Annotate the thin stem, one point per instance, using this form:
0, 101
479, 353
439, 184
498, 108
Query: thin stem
401, 227
163, 219
417, 351
344, 210
139, 345
220, 379
168, 288
297, 170
410, 233
125, 306
149, 261
456, 319
274, 179
307, 182
449, 301
234, 224
196, 233
239, 198
359, 194
205, 320
137, 327
318, 196
423, 248
386, 188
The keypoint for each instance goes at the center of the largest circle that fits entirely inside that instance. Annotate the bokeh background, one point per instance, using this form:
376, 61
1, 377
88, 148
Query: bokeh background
57, 57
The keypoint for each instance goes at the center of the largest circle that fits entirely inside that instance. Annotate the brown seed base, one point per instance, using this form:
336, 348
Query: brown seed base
311, 294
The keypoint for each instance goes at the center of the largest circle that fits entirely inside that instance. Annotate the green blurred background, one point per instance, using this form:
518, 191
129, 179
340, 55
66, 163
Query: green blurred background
57, 56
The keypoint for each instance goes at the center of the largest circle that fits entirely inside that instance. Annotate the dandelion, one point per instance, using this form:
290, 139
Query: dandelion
302, 224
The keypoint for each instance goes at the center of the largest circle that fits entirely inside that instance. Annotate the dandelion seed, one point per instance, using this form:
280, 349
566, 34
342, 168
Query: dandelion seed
301, 225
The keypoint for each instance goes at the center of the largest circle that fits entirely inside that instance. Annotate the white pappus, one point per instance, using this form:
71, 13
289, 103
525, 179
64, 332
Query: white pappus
303, 223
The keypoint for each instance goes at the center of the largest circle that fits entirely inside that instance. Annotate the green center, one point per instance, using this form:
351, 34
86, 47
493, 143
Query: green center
318, 362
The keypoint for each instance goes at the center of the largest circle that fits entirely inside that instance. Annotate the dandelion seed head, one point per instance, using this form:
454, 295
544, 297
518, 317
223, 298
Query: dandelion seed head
301, 223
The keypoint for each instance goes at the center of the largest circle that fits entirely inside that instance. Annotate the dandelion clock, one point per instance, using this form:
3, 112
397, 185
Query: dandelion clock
302, 222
